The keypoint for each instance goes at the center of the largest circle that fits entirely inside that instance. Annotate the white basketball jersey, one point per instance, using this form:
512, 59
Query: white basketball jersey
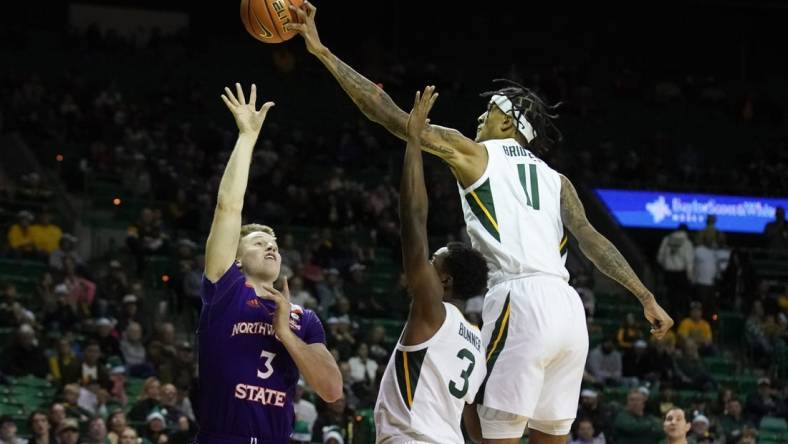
513, 214
425, 387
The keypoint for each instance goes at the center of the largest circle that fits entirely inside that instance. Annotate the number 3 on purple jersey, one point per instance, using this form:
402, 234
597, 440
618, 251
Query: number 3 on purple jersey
268, 369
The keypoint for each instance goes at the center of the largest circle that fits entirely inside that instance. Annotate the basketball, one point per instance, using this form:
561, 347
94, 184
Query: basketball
265, 20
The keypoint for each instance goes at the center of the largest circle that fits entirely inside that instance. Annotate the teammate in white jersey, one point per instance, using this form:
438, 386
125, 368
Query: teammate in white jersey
438, 363
515, 208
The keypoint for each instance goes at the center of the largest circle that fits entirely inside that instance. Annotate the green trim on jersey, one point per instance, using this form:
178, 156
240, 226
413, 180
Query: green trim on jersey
408, 366
481, 202
497, 342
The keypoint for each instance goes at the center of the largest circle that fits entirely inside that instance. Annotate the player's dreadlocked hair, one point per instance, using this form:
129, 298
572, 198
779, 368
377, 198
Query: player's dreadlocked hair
538, 113
468, 270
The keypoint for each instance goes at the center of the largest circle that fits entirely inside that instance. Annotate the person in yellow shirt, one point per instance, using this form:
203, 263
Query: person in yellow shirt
20, 237
695, 327
46, 235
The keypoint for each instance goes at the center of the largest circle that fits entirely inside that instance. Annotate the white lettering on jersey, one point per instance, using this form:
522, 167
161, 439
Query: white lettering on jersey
253, 328
264, 396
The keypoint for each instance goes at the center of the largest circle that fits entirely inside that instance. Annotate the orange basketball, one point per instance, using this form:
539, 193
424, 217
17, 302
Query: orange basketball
265, 20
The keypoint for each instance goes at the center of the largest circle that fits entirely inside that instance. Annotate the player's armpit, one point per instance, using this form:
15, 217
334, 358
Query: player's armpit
467, 158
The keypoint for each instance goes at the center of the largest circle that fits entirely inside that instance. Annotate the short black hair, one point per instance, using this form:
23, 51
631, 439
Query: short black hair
467, 268
538, 113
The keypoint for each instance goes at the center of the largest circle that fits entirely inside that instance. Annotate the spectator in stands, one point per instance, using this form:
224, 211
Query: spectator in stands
97, 431
131, 313
12, 312
638, 364
705, 270
169, 399
696, 328
359, 291
363, 372
290, 254
757, 335
20, 236
336, 414
763, 402
129, 436
604, 363
46, 235
776, 231
710, 235
66, 314
628, 333
377, 346
64, 363
68, 432
40, 429
353, 400
676, 256
676, 426
633, 426
134, 352
81, 291
146, 237
24, 356
732, 421
305, 416
330, 291
8, 431
115, 284
701, 430
181, 369
690, 370
105, 337
91, 368
299, 295
585, 433
116, 424
71, 405
155, 428
57, 413
601, 415
147, 401
68, 244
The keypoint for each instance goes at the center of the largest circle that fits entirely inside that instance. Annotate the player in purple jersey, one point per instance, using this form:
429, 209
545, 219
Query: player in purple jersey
253, 342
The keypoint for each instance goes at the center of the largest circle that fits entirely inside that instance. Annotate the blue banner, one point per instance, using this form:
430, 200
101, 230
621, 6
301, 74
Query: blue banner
666, 210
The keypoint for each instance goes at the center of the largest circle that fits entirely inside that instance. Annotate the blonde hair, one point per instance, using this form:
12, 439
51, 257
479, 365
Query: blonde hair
146, 386
251, 228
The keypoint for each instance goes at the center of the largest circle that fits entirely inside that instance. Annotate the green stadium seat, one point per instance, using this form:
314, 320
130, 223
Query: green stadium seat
773, 424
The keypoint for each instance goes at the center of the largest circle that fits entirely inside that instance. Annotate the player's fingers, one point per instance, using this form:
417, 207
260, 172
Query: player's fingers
294, 27
231, 96
416, 100
240, 92
266, 106
227, 102
432, 102
253, 96
310, 9
286, 290
299, 12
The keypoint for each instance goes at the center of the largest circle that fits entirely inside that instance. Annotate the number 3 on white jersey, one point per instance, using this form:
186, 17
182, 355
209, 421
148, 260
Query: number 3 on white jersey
268, 369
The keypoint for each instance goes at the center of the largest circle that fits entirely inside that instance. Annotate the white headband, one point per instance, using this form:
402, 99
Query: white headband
523, 126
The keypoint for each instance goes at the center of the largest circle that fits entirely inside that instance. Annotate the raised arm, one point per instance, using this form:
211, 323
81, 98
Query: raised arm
607, 258
426, 309
222, 244
460, 152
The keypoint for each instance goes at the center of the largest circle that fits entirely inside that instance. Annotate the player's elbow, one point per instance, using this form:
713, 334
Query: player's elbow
332, 391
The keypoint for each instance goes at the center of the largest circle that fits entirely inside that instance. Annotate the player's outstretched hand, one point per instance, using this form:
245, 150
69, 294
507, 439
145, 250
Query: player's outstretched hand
282, 313
306, 26
660, 321
417, 120
248, 118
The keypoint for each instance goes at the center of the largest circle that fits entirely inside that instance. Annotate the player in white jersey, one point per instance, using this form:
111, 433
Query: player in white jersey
534, 323
438, 363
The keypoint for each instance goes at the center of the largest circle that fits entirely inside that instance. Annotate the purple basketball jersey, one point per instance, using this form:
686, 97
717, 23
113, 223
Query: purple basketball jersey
247, 378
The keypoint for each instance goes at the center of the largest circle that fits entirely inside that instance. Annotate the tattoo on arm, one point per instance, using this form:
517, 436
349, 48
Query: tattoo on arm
596, 247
